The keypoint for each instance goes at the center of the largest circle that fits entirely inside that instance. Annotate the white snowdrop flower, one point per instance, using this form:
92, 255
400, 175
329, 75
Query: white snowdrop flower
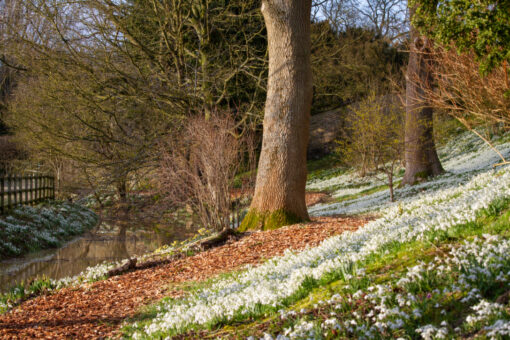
484, 310
271, 282
328, 323
267, 336
441, 333
336, 297
397, 324
498, 328
501, 277
427, 332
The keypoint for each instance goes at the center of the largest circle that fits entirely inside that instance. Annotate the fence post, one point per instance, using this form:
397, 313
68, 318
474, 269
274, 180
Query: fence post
34, 189
15, 190
2, 191
25, 179
19, 199
37, 188
9, 202
53, 188
30, 188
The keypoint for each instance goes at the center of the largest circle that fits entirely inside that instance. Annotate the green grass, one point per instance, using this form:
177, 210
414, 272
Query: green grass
366, 192
24, 291
326, 167
384, 267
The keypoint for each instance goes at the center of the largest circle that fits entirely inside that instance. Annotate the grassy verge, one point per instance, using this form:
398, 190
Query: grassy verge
327, 167
321, 307
324, 311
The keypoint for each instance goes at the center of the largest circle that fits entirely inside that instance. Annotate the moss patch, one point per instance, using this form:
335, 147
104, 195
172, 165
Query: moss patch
255, 220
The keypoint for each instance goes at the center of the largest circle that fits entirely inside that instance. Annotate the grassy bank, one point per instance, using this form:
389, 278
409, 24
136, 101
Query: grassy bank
26, 229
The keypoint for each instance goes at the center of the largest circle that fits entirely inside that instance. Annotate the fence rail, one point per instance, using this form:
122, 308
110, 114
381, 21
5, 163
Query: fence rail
18, 190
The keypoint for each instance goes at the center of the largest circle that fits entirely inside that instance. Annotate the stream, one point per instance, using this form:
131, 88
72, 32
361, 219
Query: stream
110, 241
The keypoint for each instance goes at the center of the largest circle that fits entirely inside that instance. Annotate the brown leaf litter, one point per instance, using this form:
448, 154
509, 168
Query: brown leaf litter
96, 310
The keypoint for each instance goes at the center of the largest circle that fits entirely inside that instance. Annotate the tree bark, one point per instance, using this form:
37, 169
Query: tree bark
421, 160
279, 197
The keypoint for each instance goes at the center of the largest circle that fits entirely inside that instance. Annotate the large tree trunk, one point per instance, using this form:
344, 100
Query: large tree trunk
421, 160
279, 197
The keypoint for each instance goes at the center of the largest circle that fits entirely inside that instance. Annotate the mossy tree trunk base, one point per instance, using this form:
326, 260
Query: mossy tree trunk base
279, 197
268, 221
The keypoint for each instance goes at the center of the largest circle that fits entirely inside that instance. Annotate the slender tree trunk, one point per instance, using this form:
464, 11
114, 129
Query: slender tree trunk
122, 189
390, 184
279, 197
421, 160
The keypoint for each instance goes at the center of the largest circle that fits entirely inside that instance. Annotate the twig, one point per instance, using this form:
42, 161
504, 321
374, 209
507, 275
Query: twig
504, 161
501, 164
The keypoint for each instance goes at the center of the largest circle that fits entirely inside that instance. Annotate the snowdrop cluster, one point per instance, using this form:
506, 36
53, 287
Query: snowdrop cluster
279, 278
29, 227
500, 328
460, 169
484, 311
303, 330
429, 332
90, 274
400, 307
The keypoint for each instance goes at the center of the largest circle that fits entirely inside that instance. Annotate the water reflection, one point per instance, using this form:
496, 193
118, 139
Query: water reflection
108, 242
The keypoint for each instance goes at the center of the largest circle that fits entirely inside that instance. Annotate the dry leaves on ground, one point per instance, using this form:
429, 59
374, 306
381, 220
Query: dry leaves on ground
96, 310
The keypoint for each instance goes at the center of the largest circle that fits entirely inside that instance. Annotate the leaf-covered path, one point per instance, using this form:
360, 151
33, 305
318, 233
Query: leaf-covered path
96, 310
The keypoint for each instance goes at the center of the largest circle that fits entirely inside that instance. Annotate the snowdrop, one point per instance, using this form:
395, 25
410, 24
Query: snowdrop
498, 328
275, 280
484, 310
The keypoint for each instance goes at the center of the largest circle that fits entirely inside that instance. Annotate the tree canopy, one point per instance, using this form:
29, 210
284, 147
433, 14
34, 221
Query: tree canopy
481, 26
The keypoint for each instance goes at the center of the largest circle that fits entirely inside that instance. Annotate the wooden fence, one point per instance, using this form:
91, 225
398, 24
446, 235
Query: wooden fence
31, 189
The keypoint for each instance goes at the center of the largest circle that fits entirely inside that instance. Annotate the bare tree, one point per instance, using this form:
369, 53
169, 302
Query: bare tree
199, 164
279, 197
340, 14
388, 18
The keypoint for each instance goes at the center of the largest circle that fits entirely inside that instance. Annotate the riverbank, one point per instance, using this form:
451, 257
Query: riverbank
26, 229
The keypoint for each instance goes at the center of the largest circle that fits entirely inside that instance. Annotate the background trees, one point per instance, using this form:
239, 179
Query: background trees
349, 64
481, 27
472, 53
103, 81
